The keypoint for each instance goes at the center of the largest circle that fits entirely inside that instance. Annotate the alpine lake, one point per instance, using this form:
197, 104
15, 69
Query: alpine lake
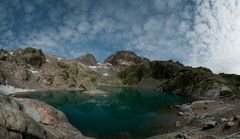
121, 113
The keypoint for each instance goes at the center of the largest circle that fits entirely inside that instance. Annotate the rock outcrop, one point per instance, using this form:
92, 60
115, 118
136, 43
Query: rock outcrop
22, 118
28, 57
88, 60
125, 58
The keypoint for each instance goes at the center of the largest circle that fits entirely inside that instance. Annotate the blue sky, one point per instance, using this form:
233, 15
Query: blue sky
195, 32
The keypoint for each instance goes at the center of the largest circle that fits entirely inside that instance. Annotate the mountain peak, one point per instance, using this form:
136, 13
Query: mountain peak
125, 58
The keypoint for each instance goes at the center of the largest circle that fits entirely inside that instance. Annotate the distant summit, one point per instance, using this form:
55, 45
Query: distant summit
125, 58
88, 59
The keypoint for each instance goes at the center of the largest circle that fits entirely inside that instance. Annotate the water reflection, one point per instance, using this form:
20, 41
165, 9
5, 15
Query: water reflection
124, 111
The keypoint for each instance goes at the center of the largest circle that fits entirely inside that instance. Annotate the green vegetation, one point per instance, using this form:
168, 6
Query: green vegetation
93, 79
65, 74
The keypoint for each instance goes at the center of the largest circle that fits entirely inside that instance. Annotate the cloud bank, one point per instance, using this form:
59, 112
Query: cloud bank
215, 38
195, 32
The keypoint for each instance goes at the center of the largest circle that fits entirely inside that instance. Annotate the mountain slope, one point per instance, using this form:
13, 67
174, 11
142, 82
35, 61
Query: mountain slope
31, 68
175, 77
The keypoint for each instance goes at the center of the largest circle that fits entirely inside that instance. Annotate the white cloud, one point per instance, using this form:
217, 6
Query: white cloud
197, 32
84, 27
215, 38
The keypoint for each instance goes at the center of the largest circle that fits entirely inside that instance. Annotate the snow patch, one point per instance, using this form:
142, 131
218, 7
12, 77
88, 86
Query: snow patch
93, 67
11, 53
105, 74
8, 89
33, 71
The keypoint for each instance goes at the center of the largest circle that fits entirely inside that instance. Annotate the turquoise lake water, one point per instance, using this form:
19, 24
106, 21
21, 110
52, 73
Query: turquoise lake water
122, 113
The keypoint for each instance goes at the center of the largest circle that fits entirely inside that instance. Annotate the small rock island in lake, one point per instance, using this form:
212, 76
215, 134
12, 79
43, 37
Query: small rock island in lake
213, 111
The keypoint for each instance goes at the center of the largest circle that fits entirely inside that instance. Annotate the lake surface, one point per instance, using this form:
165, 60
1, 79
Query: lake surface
122, 113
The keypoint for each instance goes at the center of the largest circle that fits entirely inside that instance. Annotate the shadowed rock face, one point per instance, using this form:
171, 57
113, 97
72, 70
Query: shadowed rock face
175, 77
29, 57
26, 118
88, 60
125, 58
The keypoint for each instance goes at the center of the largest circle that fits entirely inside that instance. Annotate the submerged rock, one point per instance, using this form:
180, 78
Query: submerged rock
95, 92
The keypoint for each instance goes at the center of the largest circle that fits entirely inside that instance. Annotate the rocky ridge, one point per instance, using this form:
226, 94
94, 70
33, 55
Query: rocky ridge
31, 68
88, 59
125, 58
179, 79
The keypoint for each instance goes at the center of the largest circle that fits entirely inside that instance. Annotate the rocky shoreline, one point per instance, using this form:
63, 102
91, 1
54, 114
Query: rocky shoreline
27, 118
210, 119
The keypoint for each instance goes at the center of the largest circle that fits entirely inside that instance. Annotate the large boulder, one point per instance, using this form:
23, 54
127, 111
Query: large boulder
125, 58
26, 118
15, 123
88, 60
53, 121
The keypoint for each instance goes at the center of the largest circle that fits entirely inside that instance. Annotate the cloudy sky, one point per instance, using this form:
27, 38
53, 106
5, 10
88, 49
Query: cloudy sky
194, 32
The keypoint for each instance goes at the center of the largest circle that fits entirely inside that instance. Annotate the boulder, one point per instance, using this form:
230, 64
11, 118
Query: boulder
229, 125
209, 125
186, 108
180, 113
177, 124
13, 120
223, 120
26, 118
